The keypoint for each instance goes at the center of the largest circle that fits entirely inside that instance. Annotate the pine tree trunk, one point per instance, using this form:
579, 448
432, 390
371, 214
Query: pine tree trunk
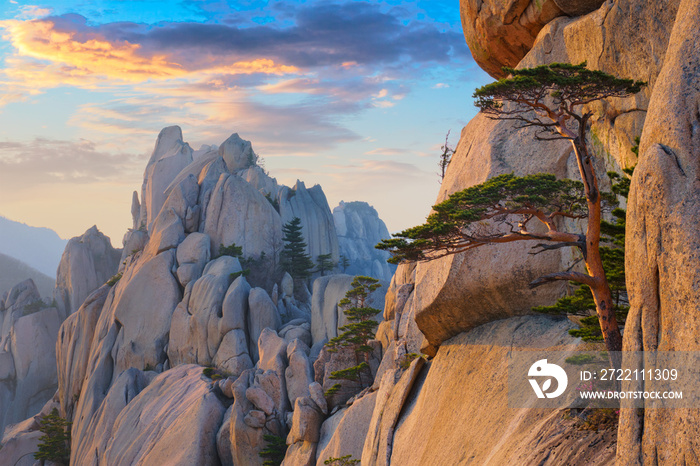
594, 264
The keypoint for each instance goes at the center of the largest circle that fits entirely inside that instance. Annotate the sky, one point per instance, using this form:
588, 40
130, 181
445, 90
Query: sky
356, 96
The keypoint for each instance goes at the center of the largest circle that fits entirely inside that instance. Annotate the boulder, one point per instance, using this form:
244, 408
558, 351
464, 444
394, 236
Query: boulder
87, 263
237, 153
134, 241
195, 336
301, 332
273, 352
662, 247
287, 285
232, 356
192, 255
306, 422
318, 397
359, 229
300, 454
299, 372
500, 33
263, 314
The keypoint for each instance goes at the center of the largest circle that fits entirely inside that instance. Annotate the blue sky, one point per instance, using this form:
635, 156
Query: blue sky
355, 96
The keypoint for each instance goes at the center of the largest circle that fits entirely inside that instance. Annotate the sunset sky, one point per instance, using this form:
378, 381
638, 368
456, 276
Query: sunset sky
355, 96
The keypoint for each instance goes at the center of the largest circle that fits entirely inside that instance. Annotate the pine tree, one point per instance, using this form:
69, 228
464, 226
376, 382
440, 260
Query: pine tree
344, 263
551, 98
324, 263
275, 450
55, 443
293, 256
357, 333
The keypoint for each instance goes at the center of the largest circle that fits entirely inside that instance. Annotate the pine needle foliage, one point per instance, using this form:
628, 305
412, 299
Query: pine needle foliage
293, 257
346, 460
357, 333
324, 263
569, 86
230, 250
275, 450
458, 223
54, 445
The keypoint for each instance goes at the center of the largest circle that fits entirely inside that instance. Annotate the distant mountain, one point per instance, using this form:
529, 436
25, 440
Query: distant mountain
40, 248
13, 271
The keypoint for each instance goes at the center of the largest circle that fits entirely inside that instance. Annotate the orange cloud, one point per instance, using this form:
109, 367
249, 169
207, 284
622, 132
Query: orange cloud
94, 56
46, 57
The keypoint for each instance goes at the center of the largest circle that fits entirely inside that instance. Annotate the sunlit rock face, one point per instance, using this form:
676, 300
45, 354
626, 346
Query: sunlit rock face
663, 246
500, 33
460, 410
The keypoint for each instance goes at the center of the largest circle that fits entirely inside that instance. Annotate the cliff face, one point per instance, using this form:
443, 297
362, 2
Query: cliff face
662, 252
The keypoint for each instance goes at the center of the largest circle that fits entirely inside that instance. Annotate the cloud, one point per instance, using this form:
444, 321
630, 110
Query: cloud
88, 54
387, 151
23, 165
343, 51
322, 34
277, 130
441, 86
32, 11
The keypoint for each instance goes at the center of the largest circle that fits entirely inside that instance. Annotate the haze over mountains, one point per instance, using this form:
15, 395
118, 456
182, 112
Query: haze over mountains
39, 248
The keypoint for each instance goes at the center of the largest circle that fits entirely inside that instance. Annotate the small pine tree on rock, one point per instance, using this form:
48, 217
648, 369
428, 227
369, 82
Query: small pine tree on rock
54, 445
357, 334
293, 256
344, 263
325, 263
275, 450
